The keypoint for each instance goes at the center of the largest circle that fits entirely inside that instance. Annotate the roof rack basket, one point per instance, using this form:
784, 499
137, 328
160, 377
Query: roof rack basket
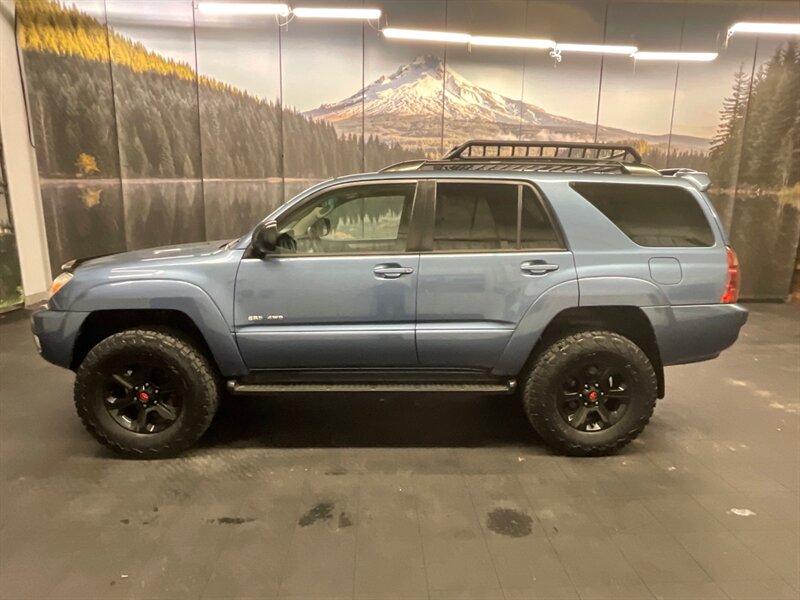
553, 157
520, 150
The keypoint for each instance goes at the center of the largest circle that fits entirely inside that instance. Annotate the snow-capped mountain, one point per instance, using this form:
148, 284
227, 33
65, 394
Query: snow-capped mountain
416, 89
407, 106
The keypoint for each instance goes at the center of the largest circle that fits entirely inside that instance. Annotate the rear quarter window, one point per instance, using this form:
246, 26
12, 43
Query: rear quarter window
651, 215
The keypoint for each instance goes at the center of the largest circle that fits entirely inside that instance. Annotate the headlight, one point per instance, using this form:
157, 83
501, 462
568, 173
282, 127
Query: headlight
59, 282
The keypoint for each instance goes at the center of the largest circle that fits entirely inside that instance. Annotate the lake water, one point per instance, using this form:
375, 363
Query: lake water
90, 217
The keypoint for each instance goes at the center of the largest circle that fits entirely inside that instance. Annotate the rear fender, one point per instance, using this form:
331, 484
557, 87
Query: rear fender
559, 297
620, 291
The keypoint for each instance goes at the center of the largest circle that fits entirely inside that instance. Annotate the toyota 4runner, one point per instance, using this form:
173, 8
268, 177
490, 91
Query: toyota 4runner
570, 274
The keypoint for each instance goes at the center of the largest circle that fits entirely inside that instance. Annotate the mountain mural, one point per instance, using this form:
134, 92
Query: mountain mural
406, 106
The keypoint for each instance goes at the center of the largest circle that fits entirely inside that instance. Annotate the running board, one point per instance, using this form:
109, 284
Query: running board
311, 388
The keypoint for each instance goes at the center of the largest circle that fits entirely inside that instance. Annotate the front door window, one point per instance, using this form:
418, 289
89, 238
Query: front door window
364, 219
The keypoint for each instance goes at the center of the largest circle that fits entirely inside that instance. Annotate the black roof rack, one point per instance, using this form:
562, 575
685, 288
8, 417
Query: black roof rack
548, 150
552, 157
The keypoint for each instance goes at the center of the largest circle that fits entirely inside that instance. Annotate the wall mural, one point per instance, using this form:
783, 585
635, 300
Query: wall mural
156, 123
10, 274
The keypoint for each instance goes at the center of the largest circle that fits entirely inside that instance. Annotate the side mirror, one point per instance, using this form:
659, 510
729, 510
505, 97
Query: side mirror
265, 237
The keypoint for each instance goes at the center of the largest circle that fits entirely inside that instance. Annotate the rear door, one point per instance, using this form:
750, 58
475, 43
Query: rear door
491, 250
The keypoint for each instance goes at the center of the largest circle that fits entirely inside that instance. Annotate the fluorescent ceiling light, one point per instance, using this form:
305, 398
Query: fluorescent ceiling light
510, 42
338, 13
769, 28
596, 48
426, 36
243, 8
693, 56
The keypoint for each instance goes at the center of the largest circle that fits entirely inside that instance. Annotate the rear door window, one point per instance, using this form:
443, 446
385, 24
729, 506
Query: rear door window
490, 216
651, 215
536, 228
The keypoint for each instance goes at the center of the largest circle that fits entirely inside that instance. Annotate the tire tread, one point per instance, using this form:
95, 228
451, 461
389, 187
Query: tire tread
544, 368
205, 378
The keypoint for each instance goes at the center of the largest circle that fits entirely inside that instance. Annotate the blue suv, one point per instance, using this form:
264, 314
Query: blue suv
569, 274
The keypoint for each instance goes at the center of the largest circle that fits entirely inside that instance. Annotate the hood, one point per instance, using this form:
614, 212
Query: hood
211, 266
150, 257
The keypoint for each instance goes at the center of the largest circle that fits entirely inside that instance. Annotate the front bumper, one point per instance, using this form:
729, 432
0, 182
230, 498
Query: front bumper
693, 333
55, 333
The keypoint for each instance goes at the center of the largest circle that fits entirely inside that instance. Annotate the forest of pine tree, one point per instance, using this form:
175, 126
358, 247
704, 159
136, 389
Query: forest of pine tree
758, 138
99, 94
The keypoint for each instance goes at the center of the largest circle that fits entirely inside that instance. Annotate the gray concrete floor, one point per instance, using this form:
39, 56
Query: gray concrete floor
413, 498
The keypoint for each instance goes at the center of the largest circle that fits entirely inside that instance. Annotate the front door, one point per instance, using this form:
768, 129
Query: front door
492, 252
340, 290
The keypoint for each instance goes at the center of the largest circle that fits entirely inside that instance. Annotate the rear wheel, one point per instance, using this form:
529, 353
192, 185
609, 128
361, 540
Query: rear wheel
590, 393
146, 393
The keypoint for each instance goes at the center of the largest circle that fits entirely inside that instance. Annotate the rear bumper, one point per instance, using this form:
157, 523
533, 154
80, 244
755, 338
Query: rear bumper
55, 332
693, 333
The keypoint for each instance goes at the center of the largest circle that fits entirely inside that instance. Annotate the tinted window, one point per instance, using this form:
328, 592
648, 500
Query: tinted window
357, 219
484, 216
536, 230
651, 215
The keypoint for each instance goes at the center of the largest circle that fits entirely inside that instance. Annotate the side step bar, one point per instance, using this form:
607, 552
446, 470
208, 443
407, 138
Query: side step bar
308, 388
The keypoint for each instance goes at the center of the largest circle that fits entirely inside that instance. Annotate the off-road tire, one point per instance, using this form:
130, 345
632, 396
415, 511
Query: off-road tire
200, 403
545, 376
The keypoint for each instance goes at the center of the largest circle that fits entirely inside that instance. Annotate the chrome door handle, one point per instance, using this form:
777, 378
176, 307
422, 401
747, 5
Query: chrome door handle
391, 271
537, 268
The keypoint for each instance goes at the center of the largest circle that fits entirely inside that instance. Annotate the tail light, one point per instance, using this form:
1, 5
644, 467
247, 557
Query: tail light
731, 292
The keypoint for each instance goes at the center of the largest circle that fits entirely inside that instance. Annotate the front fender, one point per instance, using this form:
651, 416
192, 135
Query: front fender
165, 294
556, 299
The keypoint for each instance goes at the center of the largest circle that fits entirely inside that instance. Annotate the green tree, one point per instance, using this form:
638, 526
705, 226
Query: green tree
726, 143
166, 167
769, 150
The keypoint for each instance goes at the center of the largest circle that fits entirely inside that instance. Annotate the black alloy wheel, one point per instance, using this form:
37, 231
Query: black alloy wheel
590, 392
147, 392
142, 396
595, 394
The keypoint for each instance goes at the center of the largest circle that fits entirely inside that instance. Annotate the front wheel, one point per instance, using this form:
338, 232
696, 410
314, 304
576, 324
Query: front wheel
590, 393
146, 393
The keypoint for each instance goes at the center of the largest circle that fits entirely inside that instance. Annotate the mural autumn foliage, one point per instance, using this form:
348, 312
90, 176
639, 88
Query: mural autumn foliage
136, 112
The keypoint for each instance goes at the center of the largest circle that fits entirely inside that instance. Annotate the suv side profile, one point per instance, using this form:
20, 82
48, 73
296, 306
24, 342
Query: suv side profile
570, 274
